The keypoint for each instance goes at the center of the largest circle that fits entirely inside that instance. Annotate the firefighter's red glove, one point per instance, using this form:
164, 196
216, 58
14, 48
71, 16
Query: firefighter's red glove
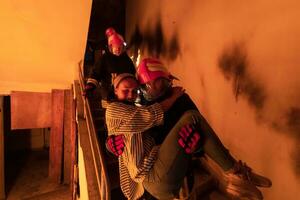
115, 144
189, 138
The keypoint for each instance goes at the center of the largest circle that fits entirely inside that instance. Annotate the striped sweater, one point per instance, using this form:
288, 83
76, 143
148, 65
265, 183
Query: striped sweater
140, 151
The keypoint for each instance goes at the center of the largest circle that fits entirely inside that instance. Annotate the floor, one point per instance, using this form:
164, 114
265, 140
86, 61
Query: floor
27, 172
26, 177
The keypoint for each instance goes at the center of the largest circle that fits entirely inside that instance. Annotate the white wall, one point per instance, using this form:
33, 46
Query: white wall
41, 43
255, 111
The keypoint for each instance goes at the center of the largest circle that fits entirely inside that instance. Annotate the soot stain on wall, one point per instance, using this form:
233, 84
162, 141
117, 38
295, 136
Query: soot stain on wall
154, 41
293, 120
174, 48
289, 123
233, 63
296, 158
293, 123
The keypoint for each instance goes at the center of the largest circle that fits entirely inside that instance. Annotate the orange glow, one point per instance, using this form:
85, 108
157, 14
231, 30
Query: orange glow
239, 61
41, 43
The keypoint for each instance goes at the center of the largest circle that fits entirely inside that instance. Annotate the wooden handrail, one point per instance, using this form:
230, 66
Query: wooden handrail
98, 156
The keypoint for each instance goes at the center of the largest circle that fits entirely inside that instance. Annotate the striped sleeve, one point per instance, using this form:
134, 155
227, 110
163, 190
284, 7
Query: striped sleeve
140, 153
141, 156
135, 164
130, 188
129, 119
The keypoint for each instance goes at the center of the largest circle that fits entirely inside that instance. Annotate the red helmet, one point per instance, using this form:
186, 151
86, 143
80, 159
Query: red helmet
150, 69
109, 31
116, 44
115, 40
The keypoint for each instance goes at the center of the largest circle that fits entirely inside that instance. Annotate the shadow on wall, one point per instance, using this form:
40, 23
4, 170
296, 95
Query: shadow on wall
234, 64
154, 42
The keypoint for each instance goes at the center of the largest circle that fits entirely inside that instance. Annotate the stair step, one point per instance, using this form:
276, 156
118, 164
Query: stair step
61, 193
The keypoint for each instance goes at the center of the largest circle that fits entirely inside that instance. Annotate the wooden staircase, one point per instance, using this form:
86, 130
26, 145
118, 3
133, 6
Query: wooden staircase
98, 113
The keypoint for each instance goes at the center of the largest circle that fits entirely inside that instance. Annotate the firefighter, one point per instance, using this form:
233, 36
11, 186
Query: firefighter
236, 179
114, 61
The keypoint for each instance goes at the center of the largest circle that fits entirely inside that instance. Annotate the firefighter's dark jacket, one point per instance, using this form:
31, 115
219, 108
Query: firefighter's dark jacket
109, 66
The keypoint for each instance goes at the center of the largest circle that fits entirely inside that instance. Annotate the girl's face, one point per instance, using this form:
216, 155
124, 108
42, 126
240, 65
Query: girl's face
116, 49
127, 90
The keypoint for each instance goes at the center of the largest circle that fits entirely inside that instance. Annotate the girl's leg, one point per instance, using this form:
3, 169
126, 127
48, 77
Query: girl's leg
170, 168
167, 174
213, 147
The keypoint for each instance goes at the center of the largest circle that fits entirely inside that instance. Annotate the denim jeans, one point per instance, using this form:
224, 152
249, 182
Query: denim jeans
166, 176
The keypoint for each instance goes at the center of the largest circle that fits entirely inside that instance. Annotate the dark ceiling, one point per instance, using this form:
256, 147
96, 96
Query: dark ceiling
104, 14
